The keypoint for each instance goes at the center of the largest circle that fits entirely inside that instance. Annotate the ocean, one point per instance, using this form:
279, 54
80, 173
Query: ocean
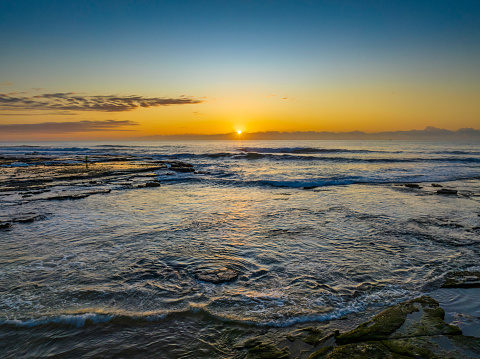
322, 232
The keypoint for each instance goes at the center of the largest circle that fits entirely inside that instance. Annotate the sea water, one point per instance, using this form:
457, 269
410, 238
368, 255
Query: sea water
316, 230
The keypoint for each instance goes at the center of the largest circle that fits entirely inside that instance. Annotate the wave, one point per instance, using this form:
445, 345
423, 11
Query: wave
471, 153
310, 183
337, 159
386, 296
83, 319
320, 182
305, 150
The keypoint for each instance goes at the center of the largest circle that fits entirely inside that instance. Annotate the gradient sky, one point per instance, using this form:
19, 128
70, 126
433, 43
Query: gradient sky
119, 69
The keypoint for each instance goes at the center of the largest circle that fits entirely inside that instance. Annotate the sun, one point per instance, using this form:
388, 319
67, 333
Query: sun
239, 132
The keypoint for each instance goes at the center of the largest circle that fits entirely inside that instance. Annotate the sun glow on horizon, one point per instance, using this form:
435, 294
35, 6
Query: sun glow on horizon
239, 132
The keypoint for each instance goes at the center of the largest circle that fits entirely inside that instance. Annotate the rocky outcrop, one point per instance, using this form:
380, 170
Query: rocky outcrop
412, 329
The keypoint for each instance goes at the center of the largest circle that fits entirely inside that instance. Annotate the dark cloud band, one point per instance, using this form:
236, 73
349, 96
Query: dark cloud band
67, 127
69, 101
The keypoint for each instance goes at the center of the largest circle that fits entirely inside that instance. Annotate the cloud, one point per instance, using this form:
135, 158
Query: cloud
6, 84
69, 101
67, 127
55, 113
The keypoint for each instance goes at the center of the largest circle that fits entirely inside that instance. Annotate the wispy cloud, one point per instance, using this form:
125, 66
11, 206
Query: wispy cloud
67, 127
37, 113
71, 101
6, 84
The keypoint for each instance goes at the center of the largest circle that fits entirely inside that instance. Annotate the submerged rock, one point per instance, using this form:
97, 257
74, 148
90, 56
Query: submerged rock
264, 350
447, 191
217, 276
463, 279
310, 335
436, 185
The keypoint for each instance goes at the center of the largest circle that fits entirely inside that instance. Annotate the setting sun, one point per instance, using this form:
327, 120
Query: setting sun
239, 132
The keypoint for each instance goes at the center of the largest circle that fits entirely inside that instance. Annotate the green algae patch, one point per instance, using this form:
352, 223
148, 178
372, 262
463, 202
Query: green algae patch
412, 329
380, 327
418, 347
462, 279
417, 317
365, 350
470, 344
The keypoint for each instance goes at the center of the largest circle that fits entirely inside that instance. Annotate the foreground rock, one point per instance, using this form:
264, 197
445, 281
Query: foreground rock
463, 279
412, 329
217, 276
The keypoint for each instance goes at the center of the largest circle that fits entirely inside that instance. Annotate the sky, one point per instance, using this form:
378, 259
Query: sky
102, 70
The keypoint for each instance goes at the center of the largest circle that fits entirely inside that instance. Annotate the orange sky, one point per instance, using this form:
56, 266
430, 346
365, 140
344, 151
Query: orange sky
248, 66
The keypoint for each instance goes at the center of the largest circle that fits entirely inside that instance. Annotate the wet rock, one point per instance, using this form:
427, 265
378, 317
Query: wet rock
412, 185
152, 184
28, 218
447, 191
77, 195
463, 279
412, 329
390, 323
4, 225
217, 276
436, 185
70, 196
182, 169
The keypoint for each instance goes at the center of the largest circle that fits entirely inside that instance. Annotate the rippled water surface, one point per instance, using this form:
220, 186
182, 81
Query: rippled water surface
315, 230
